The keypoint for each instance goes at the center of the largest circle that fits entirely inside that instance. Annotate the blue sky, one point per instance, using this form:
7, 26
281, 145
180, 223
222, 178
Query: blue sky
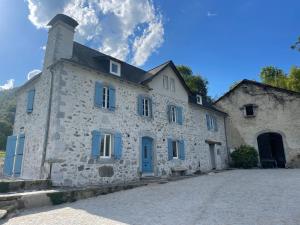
224, 41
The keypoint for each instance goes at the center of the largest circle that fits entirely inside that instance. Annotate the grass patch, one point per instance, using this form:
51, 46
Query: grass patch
2, 154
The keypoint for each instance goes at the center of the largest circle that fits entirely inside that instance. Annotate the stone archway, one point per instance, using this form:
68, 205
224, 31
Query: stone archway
271, 150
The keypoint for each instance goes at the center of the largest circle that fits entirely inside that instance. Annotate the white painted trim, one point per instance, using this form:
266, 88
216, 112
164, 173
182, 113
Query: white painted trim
104, 145
119, 68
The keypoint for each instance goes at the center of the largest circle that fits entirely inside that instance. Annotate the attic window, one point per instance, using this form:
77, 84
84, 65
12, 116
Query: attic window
115, 68
199, 99
249, 110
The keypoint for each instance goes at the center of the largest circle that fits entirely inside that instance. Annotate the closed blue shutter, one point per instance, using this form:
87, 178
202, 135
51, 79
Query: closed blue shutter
112, 98
30, 100
207, 122
215, 124
179, 115
170, 150
9, 155
98, 98
140, 105
19, 155
150, 107
181, 150
96, 143
118, 146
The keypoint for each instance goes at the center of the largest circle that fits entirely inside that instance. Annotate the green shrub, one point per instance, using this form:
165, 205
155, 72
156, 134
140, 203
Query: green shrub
244, 157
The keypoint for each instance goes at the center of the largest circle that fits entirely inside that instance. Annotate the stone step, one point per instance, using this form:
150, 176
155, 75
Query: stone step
10, 185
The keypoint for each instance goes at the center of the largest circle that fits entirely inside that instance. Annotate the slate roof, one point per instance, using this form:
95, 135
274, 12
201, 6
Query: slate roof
252, 82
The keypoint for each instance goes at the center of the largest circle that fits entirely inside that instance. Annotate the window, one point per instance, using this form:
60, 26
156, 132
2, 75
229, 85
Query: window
105, 148
173, 114
211, 122
172, 84
105, 102
175, 149
249, 110
30, 100
115, 68
146, 107
166, 82
199, 99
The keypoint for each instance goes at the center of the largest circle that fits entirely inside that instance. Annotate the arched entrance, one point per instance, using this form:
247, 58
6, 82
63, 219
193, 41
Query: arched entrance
271, 150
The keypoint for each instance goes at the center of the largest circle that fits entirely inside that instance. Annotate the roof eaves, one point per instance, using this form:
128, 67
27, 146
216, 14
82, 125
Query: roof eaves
29, 82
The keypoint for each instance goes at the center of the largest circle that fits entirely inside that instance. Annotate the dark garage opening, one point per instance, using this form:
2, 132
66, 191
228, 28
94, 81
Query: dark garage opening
271, 150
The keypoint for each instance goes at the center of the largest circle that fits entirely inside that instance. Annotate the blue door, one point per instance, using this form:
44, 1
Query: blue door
147, 165
10, 155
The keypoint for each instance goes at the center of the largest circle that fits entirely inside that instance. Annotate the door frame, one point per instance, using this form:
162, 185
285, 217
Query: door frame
154, 160
212, 149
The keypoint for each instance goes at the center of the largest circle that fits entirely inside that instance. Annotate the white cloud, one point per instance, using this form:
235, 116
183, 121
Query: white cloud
32, 73
8, 85
210, 14
130, 30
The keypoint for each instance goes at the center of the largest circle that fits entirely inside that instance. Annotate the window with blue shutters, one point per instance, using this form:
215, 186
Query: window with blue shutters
105, 96
144, 106
96, 142
30, 100
175, 114
176, 149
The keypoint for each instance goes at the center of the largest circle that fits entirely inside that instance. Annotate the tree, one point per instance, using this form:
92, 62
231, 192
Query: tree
296, 46
274, 76
294, 79
194, 81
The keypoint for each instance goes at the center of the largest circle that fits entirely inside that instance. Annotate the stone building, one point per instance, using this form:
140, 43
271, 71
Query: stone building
89, 118
265, 117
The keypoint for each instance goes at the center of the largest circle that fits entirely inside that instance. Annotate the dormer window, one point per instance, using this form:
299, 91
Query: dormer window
115, 68
199, 99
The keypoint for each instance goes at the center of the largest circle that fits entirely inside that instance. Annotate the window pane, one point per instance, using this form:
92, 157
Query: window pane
174, 146
104, 98
107, 146
249, 110
114, 68
102, 146
107, 98
146, 107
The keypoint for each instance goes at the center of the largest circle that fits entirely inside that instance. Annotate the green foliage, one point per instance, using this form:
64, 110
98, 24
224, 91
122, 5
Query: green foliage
7, 114
296, 46
2, 154
244, 157
194, 81
276, 77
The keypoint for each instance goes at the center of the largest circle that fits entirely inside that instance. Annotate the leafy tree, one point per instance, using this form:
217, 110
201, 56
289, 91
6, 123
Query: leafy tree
296, 46
194, 81
294, 79
274, 76
244, 157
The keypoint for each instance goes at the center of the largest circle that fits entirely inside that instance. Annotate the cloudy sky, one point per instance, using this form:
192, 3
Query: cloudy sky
225, 41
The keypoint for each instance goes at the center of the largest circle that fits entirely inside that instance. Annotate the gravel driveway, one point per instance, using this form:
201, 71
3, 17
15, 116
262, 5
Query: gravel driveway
265, 197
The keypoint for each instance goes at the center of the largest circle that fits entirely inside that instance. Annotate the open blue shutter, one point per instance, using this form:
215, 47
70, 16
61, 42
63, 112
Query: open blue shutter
19, 155
140, 105
98, 98
215, 124
118, 146
9, 155
150, 107
30, 100
179, 115
112, 98
207, 122
169, 112
181, 150
170, 150
96, 143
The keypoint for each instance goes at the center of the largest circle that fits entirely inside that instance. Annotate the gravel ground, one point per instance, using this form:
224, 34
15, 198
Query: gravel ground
268, 197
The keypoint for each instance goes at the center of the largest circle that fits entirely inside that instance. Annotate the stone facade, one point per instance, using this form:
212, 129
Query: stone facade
59, 130
275, 111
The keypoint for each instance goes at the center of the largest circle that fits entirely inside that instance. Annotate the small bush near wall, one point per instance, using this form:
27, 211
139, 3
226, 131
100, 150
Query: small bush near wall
244, 157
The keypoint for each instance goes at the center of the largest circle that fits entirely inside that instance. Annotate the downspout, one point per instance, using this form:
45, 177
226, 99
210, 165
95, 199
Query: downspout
46, 137
226, 140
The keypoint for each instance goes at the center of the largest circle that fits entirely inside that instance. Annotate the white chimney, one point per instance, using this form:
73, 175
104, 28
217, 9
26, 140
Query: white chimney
60, 39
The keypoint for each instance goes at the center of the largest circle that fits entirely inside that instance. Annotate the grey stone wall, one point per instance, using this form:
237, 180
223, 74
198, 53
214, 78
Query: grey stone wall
276, 112
74, 117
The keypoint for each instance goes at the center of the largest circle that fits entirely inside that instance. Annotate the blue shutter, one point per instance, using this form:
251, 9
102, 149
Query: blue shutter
30, 100
150, 107
215, 124
118, 146
98, 98
181, 150
96, 143
140, 105
169, 112
112, 98
19, 155
179, 115
170, 150
207, 122
9, 155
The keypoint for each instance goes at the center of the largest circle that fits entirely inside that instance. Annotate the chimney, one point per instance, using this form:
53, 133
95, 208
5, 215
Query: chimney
60, 39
